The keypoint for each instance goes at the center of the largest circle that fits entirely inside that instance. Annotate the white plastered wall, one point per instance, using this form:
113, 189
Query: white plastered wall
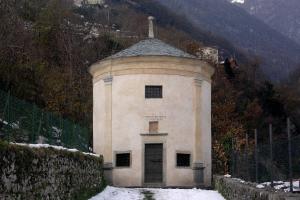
131, 113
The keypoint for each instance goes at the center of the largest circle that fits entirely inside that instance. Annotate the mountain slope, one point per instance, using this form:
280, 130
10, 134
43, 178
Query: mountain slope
47, 49
279, 53
283, 16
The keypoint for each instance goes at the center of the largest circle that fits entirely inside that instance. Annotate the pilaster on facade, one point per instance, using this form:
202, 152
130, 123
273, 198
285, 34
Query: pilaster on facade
108, 155
198, 135
108, 80
198, 81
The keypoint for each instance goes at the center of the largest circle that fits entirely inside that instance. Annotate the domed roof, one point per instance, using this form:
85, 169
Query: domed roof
151, 47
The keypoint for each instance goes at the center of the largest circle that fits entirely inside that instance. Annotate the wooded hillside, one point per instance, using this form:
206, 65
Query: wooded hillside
46, 47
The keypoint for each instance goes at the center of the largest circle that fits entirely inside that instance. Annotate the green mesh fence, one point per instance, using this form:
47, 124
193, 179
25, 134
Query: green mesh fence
23, 122
245, 165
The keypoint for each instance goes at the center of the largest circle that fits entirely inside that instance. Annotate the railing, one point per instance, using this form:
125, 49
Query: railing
24, 122
275, 160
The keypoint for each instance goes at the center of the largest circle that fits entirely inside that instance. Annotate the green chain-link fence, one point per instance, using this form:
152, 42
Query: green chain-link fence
270, 161
24, 122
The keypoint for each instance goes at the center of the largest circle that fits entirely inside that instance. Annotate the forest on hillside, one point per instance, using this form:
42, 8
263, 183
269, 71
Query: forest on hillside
46, 47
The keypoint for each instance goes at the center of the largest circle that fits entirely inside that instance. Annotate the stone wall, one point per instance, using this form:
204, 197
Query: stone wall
48, 173
233, 189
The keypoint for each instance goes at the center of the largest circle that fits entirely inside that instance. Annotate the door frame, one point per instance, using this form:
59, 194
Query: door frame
154, 140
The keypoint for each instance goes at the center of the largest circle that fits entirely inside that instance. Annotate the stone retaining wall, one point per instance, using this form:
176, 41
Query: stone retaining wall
48, 173
233, 189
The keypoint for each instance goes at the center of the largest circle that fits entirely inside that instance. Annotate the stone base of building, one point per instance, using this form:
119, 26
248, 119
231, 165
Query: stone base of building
107, 173
198, 169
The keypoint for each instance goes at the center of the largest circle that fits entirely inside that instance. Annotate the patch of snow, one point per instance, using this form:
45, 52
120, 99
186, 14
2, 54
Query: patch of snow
185, 194
278, 185
78, 3
240, 180
57, 130
227, 176
113, 193
277, 182
281, 185
260, 186
41, 139
238, 1
54, 147
3, 121
14, 125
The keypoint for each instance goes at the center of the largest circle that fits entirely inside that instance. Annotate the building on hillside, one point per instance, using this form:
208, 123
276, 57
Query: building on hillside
95, 2
152, 116
89, 2
209, 54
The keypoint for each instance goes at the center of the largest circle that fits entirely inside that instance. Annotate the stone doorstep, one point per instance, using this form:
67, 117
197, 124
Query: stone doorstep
169, 187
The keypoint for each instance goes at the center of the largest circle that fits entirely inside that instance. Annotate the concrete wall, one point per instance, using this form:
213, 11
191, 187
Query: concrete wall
122, 115
233, 189
46, 173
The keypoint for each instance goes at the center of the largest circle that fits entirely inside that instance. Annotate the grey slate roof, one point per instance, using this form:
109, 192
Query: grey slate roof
151, 47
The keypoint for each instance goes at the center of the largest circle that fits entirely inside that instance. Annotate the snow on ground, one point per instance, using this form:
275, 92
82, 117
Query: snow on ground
188, 194
227, 176
238, 1
52, 146
3, 121
114, 193
260, 186
280, 185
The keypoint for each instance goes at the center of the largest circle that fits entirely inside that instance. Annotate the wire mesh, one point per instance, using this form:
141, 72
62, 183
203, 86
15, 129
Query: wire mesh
24, 122
244, 162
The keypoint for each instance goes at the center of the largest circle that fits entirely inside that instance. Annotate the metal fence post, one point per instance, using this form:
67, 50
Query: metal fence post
232, 158
290, 154
271, 153
48, 128
51, 128
256, 156
33, 125
247, 160
8, 116
73, 134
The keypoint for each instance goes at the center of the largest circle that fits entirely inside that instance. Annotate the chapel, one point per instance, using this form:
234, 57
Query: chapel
152, 116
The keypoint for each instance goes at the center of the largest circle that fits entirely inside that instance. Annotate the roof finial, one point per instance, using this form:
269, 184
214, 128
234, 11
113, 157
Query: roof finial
151, 28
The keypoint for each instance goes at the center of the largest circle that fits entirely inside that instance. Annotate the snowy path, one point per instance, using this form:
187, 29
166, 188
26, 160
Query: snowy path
113, 193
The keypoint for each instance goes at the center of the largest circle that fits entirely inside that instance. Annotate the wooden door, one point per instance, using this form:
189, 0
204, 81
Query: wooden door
153, 163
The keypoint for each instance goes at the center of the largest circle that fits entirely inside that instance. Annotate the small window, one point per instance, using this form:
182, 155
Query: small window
153, 91
183, 159
153, 127
123, 160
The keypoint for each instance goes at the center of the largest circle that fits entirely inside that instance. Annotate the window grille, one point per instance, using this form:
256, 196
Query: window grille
153, 91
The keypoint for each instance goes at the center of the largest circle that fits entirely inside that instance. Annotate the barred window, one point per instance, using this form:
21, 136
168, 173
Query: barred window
123, 160
183, 159
153, 91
